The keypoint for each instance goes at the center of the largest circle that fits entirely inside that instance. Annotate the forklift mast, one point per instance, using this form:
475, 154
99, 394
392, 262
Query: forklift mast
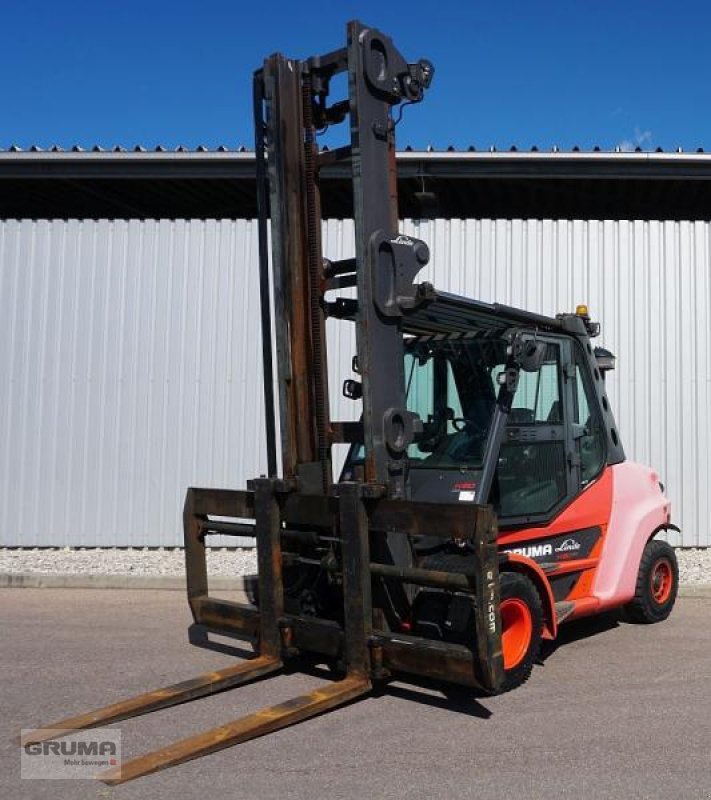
292, 103
357, 533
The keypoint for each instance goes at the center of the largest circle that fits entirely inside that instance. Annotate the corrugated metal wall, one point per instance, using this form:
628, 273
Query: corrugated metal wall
130, 369
130, 356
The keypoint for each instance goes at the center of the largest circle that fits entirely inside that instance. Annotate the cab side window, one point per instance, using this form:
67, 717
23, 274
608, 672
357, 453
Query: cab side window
537, 398
591, 444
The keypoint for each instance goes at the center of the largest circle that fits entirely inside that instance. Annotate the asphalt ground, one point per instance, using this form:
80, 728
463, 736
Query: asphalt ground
614, 711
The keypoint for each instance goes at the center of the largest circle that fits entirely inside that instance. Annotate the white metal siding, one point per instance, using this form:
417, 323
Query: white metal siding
130, 369
130, 356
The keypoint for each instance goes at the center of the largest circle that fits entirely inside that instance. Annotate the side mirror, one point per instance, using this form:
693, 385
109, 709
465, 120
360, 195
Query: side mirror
532, 355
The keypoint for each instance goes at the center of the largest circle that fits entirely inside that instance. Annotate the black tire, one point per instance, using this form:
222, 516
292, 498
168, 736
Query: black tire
657, 585
514, 586
517, 587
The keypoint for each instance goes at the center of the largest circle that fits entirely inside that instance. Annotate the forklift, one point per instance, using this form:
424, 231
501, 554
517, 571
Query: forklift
485, 499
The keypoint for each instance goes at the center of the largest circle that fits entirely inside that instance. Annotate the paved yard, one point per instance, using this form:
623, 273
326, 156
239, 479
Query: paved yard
616, 711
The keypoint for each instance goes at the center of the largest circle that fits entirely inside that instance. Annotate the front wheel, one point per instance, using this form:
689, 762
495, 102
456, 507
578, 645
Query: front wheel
521, 628
657, 584
521, 620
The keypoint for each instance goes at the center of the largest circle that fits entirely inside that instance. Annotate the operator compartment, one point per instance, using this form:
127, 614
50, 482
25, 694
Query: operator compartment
455, 369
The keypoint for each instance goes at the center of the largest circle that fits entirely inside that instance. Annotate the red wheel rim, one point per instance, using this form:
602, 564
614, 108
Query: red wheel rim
516, 631
661, 581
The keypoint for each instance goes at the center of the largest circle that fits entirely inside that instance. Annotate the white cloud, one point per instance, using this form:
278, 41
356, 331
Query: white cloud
640, 139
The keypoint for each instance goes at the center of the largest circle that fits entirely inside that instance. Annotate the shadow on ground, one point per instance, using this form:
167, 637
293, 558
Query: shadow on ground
451, 697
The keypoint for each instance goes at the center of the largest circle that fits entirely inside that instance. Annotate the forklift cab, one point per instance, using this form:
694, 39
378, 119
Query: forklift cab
553, 440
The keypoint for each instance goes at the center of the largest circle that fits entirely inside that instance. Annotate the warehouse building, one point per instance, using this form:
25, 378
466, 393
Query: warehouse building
129, 337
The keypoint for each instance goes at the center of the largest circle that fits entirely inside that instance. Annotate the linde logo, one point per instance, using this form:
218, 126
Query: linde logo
401, 239
567, 546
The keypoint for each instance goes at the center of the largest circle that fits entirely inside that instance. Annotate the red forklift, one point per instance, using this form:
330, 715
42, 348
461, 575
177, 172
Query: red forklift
485, 499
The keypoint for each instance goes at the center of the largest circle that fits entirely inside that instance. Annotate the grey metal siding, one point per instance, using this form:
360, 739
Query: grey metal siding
130, 356
130, 369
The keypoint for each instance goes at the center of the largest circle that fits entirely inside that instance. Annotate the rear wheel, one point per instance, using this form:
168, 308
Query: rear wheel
521, 627
657, 584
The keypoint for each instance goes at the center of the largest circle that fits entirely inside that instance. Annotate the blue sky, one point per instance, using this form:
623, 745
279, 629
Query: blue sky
524, 73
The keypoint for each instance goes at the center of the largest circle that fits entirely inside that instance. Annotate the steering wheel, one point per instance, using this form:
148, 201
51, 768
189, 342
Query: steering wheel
474, 429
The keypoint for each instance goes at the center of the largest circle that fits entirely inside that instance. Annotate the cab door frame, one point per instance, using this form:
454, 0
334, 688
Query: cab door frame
566, 431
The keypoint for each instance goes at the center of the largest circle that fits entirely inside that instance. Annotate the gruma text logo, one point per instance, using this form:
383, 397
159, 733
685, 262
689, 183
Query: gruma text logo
547, 549
77, 755
533, 550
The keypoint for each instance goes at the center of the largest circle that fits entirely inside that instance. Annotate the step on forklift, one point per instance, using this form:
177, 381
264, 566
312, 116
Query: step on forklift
485, 498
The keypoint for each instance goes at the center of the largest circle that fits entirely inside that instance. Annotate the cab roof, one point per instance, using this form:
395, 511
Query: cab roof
446, 313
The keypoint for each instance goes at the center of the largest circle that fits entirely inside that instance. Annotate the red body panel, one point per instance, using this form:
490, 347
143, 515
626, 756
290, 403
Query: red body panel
588, 556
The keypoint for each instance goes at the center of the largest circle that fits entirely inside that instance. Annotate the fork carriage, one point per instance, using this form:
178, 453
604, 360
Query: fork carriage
358, 637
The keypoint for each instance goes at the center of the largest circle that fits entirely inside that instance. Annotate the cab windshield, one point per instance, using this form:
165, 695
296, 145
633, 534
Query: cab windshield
451, 385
